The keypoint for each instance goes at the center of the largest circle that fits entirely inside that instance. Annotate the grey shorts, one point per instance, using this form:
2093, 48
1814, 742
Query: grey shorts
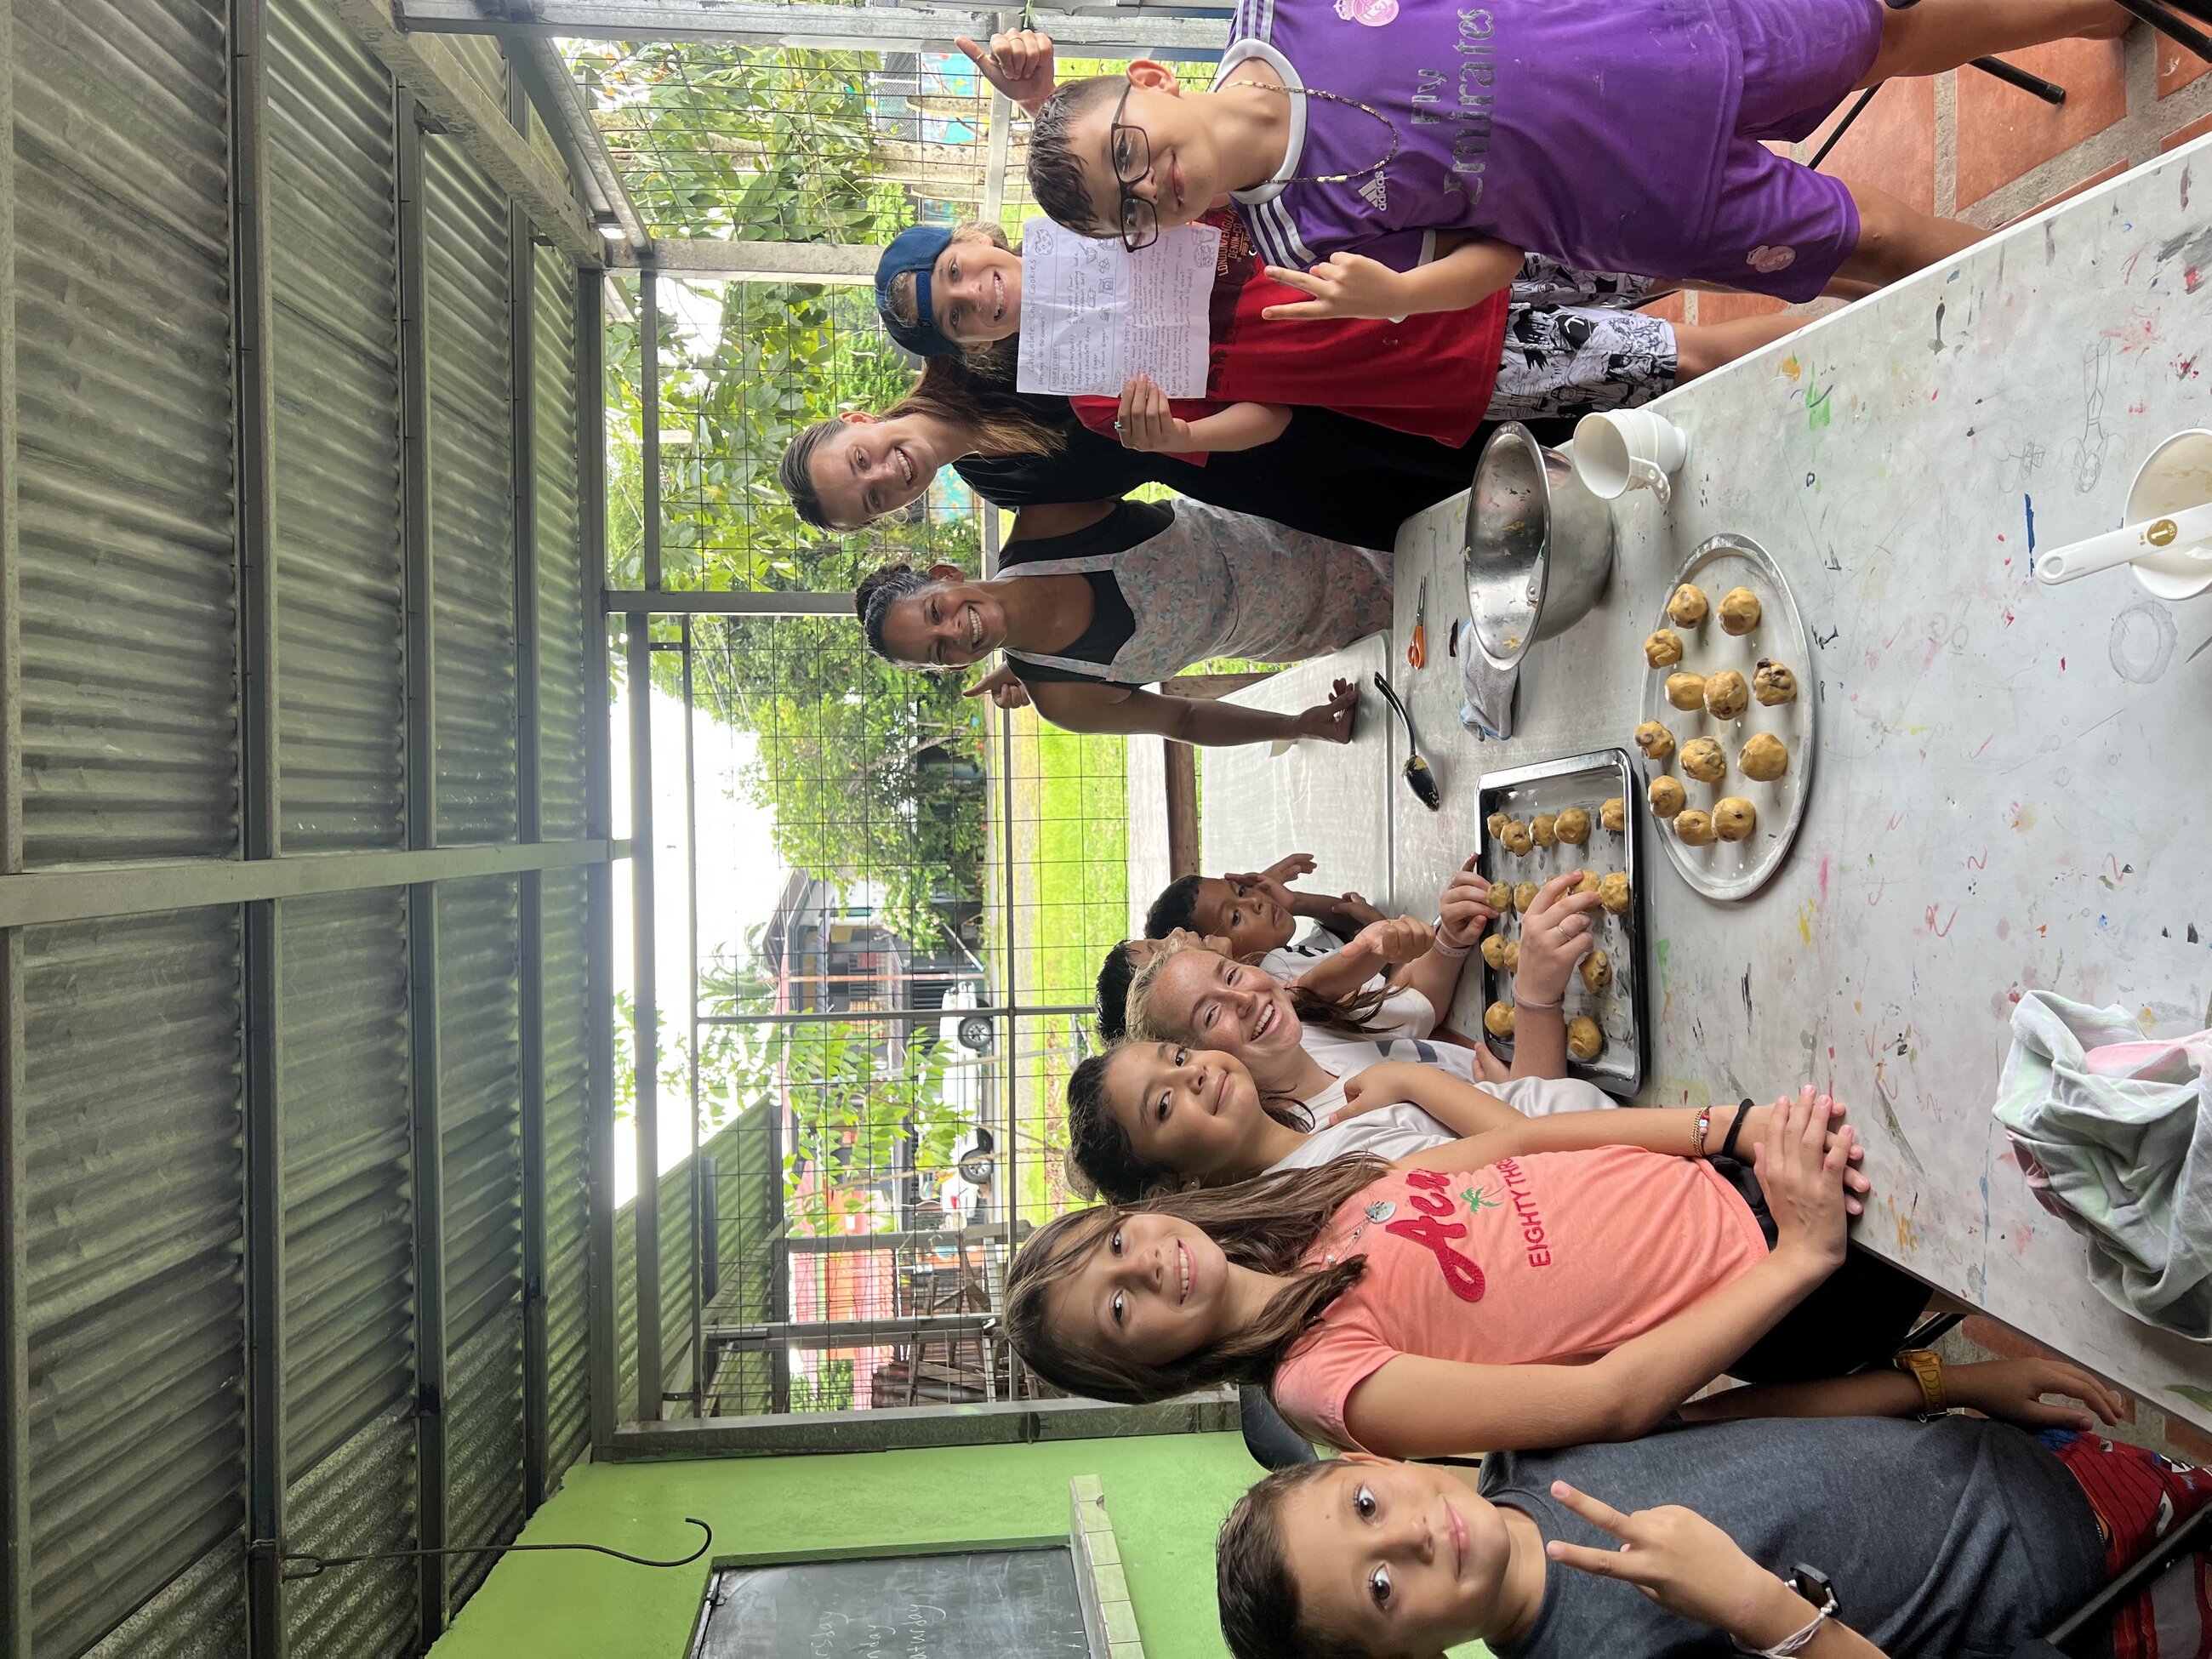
1545, 281
1566, 362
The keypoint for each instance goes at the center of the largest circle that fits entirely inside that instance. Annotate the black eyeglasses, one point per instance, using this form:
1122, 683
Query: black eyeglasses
1131, 153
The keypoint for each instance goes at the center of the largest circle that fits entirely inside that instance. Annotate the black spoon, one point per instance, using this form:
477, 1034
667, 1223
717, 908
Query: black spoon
1422, 782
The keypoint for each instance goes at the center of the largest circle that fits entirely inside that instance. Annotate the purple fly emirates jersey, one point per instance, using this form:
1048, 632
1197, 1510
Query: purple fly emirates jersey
1592, 130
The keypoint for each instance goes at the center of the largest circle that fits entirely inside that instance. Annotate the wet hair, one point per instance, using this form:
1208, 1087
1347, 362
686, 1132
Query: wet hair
873, 598
1266, 1224
1056, 177
999, 421
1350, 1015
1261, 1614
1100, 1151
1113, 977
1175, 907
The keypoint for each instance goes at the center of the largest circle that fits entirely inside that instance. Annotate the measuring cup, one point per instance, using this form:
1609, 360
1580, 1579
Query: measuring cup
1625, 449
2167, 539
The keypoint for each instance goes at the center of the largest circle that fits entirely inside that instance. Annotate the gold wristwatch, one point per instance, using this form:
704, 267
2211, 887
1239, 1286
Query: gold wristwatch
1925, 1367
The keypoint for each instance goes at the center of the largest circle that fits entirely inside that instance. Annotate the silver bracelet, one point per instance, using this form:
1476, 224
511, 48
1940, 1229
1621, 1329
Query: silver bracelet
1811, 1585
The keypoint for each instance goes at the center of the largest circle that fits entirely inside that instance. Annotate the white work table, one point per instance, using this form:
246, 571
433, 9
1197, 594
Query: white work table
2013, 789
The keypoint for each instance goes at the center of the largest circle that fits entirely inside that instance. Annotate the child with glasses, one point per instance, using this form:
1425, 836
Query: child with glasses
1398, 156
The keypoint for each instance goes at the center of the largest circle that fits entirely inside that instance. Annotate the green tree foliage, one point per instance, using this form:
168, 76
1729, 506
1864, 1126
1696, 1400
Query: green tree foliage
870, 770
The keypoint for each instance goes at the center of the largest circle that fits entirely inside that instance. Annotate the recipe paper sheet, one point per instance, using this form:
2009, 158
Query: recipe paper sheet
1094, 314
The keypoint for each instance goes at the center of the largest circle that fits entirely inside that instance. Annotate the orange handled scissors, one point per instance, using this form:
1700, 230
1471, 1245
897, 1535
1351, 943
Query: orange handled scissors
1418, 652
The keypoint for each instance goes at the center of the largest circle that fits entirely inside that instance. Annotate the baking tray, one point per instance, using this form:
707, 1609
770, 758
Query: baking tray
1622, 1010
1735, 870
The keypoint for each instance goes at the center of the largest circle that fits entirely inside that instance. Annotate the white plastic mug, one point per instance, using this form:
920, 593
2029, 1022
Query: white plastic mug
1625, 449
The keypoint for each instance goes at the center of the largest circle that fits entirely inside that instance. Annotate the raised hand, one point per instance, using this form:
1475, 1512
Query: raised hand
1283, 872
1019, 63
1001, 687
1688, 1565
1343, 285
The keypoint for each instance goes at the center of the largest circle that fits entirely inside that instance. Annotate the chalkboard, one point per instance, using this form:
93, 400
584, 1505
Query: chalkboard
958, 1605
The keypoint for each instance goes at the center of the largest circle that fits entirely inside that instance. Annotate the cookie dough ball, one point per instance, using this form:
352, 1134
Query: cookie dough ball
1493, 950
1613, 893
1500, 896
1733, 817
1588, 884
1739, 610
1726, 695
1771, 682
1597, 970
1497, 1019
1544, 829
1694, 829
1686, 691
1656, 742
1689, 605
1497, 823
1704, 759
1512, 956
1573, 826
1764, 759
1524, 895
1517, 839
1663, 650
1668, 797
1614, 814
1584, 1041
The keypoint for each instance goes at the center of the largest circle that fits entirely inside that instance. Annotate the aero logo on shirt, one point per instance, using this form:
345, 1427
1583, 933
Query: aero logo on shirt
1429, 1230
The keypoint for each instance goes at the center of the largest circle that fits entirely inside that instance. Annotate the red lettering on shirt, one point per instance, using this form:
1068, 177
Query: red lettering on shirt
1464, 1277
1429, 1203
1524, 1206
1428, 1180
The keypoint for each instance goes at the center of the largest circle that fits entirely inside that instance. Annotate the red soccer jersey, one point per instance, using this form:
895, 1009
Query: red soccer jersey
1431, 374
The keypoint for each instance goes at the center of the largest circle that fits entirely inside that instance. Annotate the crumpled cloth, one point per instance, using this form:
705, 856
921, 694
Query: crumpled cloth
2114, 1134
1487, 708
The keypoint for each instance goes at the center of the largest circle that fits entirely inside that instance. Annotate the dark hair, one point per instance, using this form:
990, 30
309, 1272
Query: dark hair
999, 421
1099, 1149
1175, 907
873, 598
1266, 1224
1260, 1618
1113, 977
1056, 180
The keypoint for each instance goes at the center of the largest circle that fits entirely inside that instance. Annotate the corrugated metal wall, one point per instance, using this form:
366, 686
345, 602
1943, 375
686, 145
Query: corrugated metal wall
123, 341
472, 497
480, 1102
572, 648
334, 276
135, 1104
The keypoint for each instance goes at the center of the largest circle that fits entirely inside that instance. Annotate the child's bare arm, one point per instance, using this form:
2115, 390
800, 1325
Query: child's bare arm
1147, 421
1467, 1110
2010, 1390
1353, 285
1378, 945
1555, 935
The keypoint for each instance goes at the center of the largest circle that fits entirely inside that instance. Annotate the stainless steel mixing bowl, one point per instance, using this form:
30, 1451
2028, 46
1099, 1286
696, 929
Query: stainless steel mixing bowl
1539, 546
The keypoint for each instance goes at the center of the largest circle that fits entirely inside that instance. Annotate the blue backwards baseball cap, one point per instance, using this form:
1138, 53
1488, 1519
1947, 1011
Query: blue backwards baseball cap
914, 250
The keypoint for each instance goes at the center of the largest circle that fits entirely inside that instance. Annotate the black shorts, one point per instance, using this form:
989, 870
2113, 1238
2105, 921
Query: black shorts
1859, 1316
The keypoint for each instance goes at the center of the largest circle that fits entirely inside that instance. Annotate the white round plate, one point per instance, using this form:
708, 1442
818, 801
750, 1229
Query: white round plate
1735, 870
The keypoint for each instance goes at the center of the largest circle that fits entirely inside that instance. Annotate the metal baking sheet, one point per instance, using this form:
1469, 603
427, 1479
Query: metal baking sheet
1736, 870
1622, 1009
